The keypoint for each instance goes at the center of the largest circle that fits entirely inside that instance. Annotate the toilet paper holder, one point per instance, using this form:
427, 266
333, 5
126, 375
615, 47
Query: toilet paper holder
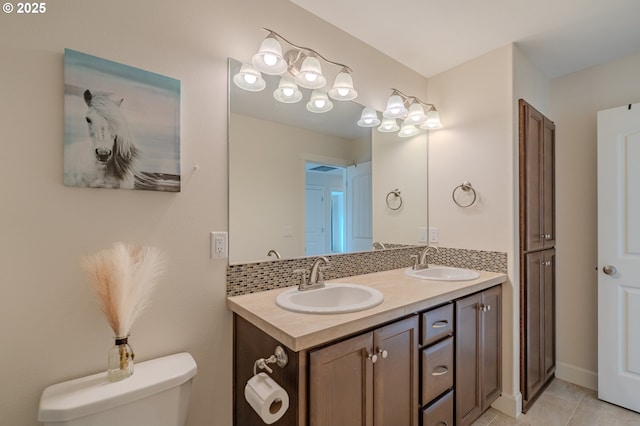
279, 358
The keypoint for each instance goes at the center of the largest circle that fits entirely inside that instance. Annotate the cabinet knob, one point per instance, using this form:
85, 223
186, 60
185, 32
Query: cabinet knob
382, 353
373, 358
609, 270
485, 308
547, 236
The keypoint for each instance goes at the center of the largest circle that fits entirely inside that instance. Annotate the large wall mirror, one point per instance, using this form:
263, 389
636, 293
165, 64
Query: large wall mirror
307, 184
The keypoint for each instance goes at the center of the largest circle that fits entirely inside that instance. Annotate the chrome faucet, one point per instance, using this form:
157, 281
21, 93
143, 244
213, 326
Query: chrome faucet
422, 261
316, 279
377, 245
275, 253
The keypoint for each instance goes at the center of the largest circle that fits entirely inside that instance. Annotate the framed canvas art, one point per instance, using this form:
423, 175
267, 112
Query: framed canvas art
121, 126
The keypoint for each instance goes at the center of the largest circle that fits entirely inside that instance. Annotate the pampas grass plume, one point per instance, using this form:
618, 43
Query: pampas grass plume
124, 278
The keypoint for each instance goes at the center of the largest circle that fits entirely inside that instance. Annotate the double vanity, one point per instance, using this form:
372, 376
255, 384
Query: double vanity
398, 347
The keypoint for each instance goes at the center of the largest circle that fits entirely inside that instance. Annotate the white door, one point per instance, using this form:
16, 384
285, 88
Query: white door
359, 203
314, 221
619, 256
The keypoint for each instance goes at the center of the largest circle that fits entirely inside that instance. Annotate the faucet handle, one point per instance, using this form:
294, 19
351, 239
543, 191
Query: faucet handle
321, 270
303, 275
415, 260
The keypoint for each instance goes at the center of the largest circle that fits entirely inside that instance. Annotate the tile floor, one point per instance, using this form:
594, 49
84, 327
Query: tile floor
565, 404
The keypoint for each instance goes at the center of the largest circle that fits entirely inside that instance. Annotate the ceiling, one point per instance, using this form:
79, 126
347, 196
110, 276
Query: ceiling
431, 36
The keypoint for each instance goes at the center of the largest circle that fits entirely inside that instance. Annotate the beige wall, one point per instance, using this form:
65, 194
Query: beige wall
399, 163
50, 326
476, 145
575, 100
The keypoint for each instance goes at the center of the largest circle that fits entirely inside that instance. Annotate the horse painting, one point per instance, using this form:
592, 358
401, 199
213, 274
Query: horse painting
108, 160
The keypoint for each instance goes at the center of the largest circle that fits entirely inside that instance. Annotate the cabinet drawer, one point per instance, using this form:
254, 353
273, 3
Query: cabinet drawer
436, 324
437, 370
440, 413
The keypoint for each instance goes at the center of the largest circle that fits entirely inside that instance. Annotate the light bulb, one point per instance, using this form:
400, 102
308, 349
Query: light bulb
343, 91
288, 91
310, 77
270, 59
250, 78
320, 103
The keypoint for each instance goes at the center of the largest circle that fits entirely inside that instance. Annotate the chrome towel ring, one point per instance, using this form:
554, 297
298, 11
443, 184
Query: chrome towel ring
466, 187
394, 199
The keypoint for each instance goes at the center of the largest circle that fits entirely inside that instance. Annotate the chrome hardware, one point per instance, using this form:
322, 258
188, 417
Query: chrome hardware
316, 278
485, 308
466, 187
547, 236
443, 423
382, 353
609, 270
372, 357
279, 358
440, 324
274, 253
547, 263
440, 370
423, 261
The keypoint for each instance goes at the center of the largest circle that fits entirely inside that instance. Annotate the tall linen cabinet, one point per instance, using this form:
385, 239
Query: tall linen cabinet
537, 252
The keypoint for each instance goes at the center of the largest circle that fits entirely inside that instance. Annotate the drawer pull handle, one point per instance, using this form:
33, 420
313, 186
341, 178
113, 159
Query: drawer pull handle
440, 371
440, 324
443, 423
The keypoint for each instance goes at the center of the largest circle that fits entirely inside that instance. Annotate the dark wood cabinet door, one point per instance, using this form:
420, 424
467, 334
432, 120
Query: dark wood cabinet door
548, 184
341, 383
539, 321
491, 351
537, 179
395, 374
468, 345
549, 287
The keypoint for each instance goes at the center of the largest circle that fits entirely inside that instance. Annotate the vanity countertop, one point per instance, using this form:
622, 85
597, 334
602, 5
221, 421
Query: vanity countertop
403, 295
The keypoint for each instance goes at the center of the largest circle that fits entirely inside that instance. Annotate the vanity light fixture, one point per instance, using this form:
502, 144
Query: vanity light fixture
319, 102
412, 111
389, 125
249, 78
368, 118
408, 130
303, 67
287, 91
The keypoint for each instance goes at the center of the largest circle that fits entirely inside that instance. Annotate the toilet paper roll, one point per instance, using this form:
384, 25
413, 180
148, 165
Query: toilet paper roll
266, 397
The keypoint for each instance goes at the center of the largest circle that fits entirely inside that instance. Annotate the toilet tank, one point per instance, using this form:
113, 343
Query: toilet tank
156, 394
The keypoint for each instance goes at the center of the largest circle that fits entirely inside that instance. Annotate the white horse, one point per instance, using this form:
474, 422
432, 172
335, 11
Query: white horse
114, 151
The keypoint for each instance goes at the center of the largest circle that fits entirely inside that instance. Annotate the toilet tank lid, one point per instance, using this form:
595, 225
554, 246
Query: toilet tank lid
92, 394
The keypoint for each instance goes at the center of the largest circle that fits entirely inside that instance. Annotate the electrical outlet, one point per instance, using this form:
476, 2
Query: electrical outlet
219, 245
422, 234
434, 235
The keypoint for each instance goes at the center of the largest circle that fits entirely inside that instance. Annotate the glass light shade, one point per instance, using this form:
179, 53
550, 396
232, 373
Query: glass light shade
416, 114
395, 107
389, 125
319, 102
269, 58
369, 118
408, 130
249, 78
310, 75
342, 89
433, 120
287, 91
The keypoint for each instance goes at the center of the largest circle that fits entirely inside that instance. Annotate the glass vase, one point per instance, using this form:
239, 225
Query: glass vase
120, 360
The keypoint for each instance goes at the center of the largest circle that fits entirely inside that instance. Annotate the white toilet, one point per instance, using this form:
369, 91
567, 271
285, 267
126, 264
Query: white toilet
157, 394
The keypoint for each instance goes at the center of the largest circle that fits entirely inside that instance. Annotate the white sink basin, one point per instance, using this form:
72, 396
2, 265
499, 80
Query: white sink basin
334, 298
443, 273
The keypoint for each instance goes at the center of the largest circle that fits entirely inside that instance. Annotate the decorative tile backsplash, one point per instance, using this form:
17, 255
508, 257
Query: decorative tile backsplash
260, 276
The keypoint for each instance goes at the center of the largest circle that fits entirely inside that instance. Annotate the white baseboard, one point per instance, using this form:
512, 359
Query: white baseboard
577, 375
511, 405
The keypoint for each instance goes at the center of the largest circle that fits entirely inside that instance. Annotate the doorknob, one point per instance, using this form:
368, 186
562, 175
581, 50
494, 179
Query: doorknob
609, 270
